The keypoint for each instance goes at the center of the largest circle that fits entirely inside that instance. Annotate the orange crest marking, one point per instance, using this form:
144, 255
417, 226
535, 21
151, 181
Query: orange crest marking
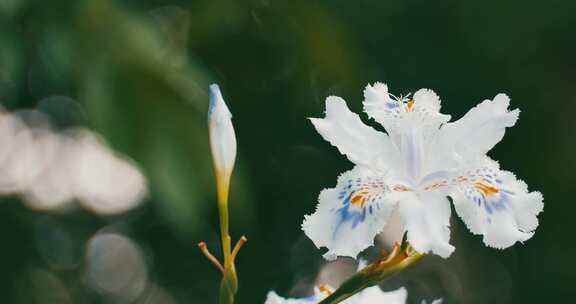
486, 189
359, 198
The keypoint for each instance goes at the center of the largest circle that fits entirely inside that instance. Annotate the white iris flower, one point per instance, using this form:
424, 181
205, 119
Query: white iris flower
419, 162
371, 295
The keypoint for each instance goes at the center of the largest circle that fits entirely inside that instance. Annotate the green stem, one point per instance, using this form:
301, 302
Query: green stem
222, 184
372, 275
229, 284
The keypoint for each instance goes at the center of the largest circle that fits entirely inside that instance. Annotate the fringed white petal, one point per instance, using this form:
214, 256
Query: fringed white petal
426, 110
474, 134
349, 216
495, 204
375, 295
378, 104
421, 112
426, 217
428, 100
274, 298
359, 142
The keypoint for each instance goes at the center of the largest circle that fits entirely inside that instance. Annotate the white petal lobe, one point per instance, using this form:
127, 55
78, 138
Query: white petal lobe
402, 113
495, 204
377, 100
359, 142
426, 217
349, 216
473, 135
427, 99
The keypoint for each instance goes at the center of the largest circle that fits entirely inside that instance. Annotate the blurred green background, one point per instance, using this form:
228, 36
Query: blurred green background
137, 72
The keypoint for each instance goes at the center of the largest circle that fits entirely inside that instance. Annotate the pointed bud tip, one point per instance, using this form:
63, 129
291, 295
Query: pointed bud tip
214, 89
217, 103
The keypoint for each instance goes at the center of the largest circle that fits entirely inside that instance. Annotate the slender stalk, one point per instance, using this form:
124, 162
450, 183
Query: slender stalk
222, 183
229, 284
223, 146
